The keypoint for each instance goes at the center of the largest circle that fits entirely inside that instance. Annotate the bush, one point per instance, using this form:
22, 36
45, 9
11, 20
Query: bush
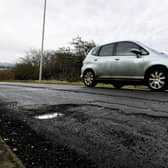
64, 64
25, 71
7, 74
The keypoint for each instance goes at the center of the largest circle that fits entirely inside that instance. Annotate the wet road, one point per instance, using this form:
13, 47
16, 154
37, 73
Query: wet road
91, 127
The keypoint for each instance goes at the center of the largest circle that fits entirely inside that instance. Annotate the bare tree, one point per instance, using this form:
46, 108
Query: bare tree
82, 47
61, 64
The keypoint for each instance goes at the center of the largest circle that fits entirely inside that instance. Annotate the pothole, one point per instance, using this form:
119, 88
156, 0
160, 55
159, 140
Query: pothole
34, 148
62, 112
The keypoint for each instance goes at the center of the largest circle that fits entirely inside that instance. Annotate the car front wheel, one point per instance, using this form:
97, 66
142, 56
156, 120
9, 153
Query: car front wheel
157, 80
89, 79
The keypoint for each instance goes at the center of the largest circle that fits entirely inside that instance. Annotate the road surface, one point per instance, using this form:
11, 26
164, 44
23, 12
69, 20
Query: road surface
73, 126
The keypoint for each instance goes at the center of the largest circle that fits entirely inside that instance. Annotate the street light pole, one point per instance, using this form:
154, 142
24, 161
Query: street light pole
42, 44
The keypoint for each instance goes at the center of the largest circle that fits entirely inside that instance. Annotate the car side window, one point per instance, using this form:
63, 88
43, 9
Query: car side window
106, 50
123, 49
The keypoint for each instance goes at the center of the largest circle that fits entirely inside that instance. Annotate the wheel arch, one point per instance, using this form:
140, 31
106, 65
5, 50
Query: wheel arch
89, 69
157, 66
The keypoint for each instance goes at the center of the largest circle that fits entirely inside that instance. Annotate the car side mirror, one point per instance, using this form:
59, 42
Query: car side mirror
136, 51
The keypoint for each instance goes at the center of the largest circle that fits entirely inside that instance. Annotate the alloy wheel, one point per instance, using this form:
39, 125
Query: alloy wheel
157, 80
89, 79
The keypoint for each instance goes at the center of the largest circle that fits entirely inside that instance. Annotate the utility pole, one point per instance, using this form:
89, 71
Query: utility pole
42, 44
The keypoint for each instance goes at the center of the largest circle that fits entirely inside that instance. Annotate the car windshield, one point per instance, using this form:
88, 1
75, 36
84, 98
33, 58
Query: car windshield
94, 51
153, 50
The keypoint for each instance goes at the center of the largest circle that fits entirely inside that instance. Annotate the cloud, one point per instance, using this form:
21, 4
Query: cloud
98, 20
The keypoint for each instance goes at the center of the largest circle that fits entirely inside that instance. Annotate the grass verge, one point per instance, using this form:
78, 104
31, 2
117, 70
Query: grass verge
101, 85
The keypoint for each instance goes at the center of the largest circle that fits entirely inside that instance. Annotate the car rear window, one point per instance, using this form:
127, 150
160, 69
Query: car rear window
106, 50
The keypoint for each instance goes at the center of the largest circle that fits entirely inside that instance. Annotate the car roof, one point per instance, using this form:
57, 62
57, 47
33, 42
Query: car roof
121, 42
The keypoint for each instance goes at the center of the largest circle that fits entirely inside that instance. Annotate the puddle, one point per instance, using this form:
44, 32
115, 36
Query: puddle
49, 116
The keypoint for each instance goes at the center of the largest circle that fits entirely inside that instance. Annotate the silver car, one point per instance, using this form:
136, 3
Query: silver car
126, 62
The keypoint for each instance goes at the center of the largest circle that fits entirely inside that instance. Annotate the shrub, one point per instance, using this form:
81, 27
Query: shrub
7, 74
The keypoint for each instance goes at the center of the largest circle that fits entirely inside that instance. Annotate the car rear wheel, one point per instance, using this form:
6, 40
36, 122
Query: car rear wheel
89, 79
157, 79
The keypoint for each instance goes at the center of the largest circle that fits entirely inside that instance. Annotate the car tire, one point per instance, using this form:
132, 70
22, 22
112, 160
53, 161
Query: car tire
118, 85
89, 78
157, 79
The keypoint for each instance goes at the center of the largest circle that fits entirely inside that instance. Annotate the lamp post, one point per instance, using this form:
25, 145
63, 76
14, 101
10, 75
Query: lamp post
42, 44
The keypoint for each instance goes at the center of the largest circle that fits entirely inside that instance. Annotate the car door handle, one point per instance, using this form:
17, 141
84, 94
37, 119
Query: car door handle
95, 59
117, 59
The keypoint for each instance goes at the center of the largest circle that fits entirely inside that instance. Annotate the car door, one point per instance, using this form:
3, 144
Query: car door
105, 62
129, 65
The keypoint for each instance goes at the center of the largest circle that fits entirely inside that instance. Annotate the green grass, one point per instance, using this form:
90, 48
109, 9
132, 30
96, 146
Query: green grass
44, 82
57, 82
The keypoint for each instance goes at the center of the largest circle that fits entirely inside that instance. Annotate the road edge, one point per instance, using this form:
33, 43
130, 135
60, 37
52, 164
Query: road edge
11, 157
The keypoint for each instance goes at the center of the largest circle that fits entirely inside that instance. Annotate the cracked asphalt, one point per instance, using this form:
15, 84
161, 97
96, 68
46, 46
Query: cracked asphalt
98, 127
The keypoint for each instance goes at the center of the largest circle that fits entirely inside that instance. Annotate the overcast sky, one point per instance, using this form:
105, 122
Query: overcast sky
99, 20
